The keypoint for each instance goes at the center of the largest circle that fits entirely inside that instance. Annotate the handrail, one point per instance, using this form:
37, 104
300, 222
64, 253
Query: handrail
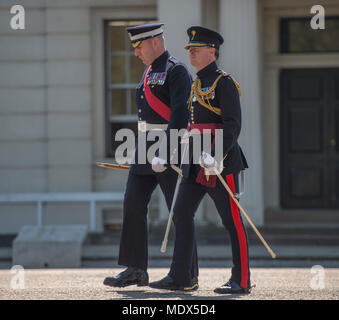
39, 198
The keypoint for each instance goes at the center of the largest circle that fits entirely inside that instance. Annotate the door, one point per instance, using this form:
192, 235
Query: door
309, 138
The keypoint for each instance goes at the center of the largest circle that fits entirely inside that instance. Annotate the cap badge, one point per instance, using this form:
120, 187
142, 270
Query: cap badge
193, 34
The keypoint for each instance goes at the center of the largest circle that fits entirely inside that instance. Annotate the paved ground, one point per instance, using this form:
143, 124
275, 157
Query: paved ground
86, 284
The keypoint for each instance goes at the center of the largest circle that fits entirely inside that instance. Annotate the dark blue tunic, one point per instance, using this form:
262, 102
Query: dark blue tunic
171, 85
191, 192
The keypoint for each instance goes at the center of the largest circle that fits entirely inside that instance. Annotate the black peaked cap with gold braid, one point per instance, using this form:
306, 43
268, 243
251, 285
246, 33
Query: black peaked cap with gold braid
202, 37
139, 33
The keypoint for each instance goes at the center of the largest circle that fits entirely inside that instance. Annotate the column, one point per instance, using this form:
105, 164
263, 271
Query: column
177, 16
240, 56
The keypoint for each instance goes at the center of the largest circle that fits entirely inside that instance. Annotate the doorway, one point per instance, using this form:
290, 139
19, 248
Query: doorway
309, 138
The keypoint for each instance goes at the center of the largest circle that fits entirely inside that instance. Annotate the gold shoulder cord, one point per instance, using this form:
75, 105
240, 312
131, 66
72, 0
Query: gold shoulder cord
201, 96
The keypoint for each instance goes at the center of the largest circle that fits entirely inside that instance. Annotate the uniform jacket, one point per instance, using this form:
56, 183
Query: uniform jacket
172, 85
226, 97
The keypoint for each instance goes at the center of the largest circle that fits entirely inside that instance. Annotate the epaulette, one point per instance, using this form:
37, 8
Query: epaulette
236, 83
222, 72
173, 60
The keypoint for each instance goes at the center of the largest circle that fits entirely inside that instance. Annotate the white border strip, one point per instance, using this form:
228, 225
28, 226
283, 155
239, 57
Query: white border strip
146, 34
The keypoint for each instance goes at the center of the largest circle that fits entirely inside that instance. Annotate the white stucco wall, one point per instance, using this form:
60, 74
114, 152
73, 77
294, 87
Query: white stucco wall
52, 97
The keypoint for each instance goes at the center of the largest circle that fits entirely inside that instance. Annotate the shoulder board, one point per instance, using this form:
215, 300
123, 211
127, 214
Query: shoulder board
173, 60
224, 73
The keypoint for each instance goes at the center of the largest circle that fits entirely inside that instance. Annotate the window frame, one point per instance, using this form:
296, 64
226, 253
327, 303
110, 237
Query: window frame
128, 117
284, 38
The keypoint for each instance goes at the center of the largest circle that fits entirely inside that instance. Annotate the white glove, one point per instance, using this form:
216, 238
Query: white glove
209, 163
158, 164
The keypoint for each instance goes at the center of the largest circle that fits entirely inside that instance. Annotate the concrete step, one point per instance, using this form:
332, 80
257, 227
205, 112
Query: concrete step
277, 234
296, 241
222, 252
303, 216
209, 256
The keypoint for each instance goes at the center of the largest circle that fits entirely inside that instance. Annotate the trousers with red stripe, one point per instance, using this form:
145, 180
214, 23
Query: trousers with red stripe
189, 197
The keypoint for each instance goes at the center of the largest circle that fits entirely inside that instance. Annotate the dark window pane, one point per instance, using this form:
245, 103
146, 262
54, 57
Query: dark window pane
117, 38
297, 36
118, 105
118, 73
113, 127
137, 69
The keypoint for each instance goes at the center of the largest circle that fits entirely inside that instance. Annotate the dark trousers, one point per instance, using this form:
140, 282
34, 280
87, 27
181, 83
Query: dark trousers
189, 198
134, 237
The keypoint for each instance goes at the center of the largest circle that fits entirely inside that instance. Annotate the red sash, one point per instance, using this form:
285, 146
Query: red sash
201, 178
158, 106
205, 126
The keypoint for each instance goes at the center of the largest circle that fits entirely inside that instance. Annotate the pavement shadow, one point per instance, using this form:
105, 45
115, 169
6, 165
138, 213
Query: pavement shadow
181, 295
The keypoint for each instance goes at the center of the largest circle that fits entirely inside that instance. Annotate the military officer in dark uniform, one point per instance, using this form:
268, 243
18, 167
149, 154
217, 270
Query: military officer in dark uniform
161, 99
214, 104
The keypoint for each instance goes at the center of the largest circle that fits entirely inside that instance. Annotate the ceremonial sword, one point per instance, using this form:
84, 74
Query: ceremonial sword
127, 167
170, 218
163, 248
175, 168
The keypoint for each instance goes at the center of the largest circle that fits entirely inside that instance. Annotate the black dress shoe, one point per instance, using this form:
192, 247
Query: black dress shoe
128, 277
232, 287
167, 283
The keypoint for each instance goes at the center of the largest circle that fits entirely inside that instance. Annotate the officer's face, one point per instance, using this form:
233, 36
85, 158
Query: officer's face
145, 51
200, 57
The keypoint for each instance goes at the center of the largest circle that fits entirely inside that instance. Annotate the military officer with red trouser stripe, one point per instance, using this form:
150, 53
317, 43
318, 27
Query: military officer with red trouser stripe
214, 104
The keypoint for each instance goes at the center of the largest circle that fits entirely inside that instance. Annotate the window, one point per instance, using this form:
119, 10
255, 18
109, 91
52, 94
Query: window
297, 36
123, 73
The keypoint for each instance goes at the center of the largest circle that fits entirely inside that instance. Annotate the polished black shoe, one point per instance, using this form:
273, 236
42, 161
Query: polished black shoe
128, 277
232, 287
167, 283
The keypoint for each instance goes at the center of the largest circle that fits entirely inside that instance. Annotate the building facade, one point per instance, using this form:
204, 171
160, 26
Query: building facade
67, 84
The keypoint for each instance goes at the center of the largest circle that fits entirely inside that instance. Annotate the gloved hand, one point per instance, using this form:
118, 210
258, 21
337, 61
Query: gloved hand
158, 165
209, 163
